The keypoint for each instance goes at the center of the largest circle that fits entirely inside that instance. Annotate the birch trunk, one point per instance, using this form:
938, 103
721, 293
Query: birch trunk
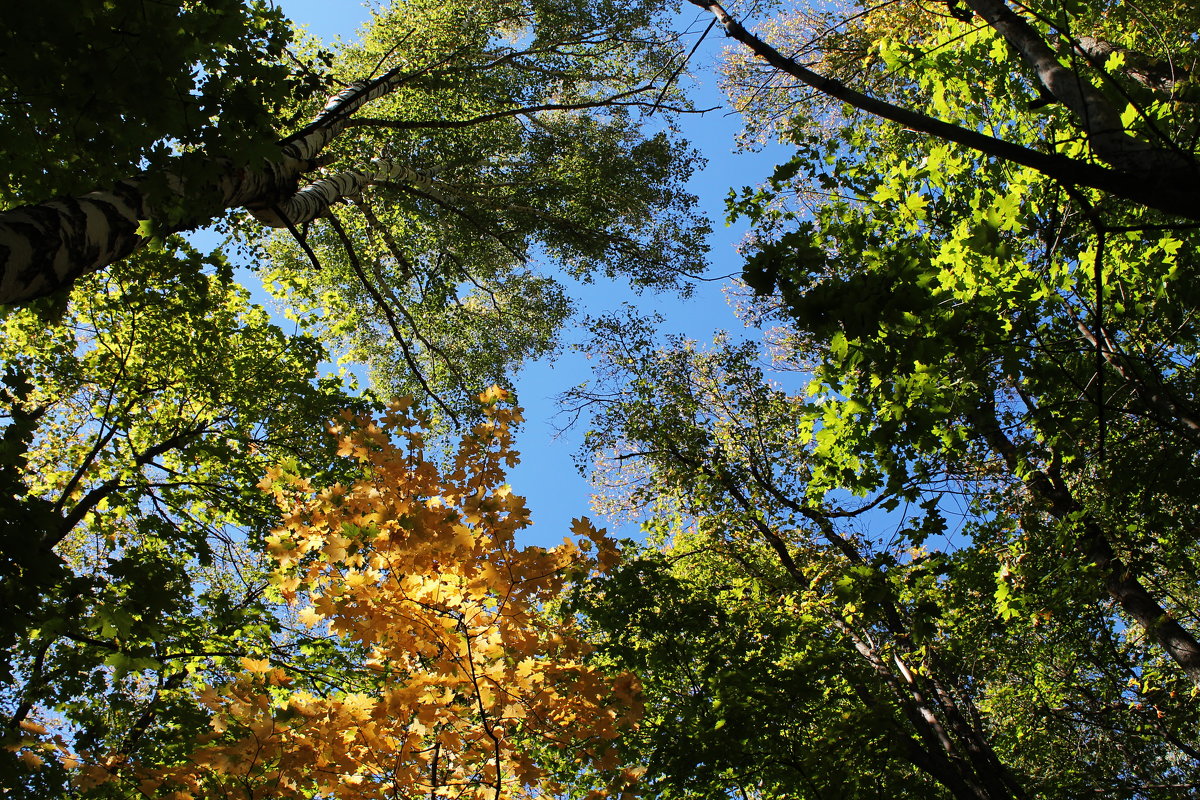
48, 246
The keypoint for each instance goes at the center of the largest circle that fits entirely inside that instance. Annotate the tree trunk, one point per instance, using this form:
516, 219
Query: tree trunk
48, 246
1164, 166
1120, 581
1166, 188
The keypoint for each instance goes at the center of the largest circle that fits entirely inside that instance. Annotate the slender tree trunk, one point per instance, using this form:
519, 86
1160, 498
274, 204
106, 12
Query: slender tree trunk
1120, 581
951, 751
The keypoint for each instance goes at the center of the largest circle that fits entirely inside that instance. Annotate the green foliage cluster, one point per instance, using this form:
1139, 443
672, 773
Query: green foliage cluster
967, 472
517, 183
90, 94
936, 538
142, 421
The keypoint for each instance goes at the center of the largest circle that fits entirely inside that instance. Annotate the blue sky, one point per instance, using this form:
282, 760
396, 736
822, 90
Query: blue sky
547, 476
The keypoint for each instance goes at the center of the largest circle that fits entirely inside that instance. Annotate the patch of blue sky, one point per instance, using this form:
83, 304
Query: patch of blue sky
547, 476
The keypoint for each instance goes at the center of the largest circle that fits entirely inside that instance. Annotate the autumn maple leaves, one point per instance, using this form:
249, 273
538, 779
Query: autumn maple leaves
461, 670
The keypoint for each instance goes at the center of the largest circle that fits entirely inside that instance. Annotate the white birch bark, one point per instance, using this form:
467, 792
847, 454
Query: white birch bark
50, 245
314, 199
47, 246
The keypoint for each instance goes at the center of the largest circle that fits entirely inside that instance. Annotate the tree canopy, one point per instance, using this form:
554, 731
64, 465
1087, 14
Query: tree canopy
980, 321
146, 395
454, 137
927, 528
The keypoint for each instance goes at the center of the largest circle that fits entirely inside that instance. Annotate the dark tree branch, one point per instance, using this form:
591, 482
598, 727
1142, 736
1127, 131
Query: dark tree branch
98, 493
388, 313
1119, 579
1175, 197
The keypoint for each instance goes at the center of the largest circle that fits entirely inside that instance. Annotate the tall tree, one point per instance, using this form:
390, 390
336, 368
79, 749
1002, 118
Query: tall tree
796, 642
465, 141
137, 425
457, 669
458, 117
147, 396
990, 301
956, 299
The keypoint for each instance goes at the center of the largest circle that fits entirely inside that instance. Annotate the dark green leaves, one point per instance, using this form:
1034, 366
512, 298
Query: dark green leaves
89, 94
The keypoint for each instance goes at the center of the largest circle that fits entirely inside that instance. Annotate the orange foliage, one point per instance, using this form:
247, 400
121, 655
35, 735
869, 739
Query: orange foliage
419, 570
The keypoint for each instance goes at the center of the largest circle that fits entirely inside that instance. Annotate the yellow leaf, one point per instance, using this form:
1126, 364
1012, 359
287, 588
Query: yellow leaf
438, 613
493, 395
257, 666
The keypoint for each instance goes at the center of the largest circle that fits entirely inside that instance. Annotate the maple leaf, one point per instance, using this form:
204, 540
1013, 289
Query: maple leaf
258, 666
493, 395
464, 665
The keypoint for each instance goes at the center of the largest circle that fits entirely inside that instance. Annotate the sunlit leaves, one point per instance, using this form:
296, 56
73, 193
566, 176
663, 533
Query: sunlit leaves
970, 324
465, 670
528, 122
138, 423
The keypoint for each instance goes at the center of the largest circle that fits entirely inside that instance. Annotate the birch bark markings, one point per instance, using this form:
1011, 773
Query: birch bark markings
50, 245
47, 246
